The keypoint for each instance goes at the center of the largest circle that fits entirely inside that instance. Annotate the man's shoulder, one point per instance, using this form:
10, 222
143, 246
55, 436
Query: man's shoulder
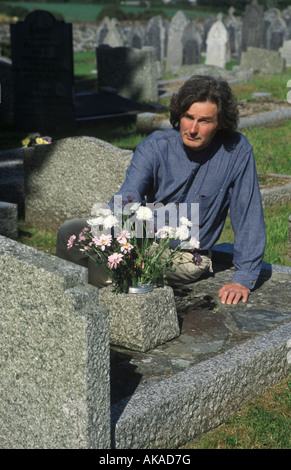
235, 141
161, 135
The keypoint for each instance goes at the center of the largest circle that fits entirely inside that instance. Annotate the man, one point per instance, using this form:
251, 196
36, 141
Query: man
203, 160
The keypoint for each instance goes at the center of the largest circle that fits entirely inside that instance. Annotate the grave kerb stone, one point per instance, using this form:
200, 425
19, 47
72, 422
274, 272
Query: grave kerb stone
55, 354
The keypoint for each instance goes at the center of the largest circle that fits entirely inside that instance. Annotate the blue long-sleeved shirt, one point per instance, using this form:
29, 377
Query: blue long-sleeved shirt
221, 177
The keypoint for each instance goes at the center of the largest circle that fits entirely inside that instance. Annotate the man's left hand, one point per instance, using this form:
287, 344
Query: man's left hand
233, 292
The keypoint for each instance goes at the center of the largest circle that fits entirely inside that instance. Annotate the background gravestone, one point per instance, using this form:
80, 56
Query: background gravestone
174, 47
191, 42
63, 180
285, 52
275, 30
233, 26
42, 60
132, 72
262, 60
252, 28
6, 103
136, 36
155, 36
216, 52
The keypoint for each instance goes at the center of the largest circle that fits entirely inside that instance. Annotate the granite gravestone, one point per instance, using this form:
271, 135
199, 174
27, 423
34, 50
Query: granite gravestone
42, 62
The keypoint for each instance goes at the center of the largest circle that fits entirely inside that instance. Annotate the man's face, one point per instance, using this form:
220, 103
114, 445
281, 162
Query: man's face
199, 125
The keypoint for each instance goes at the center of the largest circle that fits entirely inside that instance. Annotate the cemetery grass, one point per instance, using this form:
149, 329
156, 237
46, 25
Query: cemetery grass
276, 221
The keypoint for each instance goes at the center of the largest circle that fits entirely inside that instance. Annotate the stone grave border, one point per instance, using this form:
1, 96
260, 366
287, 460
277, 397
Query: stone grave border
179, 408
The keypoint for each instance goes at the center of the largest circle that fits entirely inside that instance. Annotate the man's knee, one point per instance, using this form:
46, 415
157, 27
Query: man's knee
186, 271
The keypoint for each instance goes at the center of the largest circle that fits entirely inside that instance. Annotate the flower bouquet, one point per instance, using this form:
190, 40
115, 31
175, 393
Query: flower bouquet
34, 139
129, 248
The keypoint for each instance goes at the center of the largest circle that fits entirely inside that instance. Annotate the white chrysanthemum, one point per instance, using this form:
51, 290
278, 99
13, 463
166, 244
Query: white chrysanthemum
134, 206
192, 244
110, 221
182, 232
100, 209
185, 221
144, 213
94, 221
165, 232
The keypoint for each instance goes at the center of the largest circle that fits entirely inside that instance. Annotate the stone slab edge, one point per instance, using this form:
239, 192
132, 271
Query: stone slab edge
195, 401
70, 273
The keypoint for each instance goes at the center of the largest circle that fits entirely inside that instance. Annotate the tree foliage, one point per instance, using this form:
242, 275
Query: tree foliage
240, 5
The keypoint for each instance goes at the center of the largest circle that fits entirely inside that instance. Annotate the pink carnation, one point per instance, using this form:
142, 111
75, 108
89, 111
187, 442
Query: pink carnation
71, 241
114, 260
126, 247
82, 237
102, 241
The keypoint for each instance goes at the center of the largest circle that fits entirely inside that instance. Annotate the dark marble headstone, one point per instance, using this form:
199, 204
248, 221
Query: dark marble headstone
252, 29
191, 43
155, 36
42, 61
275, 30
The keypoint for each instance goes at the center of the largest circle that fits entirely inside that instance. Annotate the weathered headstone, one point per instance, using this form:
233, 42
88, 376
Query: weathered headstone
136, 37
252, 28
42, 59
262, 60
103, 30
286, 15
132, 72
275, 30
155, 36
206, 25
285, 52
217, 39
63, 180
113, 37
191, 43
234, 26
175, 48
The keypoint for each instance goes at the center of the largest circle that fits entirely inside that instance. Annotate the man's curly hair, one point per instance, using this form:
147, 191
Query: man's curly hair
201, 88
